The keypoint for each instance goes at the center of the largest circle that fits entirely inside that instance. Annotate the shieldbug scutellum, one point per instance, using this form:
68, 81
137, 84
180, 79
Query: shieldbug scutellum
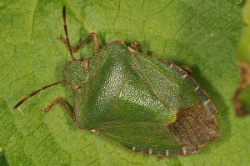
149, 105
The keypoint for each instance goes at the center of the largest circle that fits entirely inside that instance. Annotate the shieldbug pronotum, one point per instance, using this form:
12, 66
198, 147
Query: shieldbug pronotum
149, 105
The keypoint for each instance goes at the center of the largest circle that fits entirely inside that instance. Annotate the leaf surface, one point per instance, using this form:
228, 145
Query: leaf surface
200, 34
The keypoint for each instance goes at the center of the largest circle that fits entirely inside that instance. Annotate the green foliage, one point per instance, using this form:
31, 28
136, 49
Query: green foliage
242, 94
200, 34
3, 161
244, 43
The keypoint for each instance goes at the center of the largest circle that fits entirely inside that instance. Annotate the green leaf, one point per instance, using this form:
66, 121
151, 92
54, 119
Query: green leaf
200, 34
241, 97
244, 49
3, 161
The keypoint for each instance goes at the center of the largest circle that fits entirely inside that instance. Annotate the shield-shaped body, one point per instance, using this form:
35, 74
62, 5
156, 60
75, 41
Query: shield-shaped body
149, 105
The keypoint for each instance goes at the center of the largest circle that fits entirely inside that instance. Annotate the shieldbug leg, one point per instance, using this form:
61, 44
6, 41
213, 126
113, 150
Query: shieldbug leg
149, 53
91, 36
61, 101
72, 50
136, 45
95, 42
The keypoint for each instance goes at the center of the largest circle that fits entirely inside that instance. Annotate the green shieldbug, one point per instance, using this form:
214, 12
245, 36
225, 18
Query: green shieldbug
149, 105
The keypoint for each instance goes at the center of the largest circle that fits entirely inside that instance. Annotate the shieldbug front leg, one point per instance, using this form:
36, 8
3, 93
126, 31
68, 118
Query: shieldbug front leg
61, 101
91, 36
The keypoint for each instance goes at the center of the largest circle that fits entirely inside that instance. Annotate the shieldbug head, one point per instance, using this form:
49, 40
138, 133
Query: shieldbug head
148, 105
